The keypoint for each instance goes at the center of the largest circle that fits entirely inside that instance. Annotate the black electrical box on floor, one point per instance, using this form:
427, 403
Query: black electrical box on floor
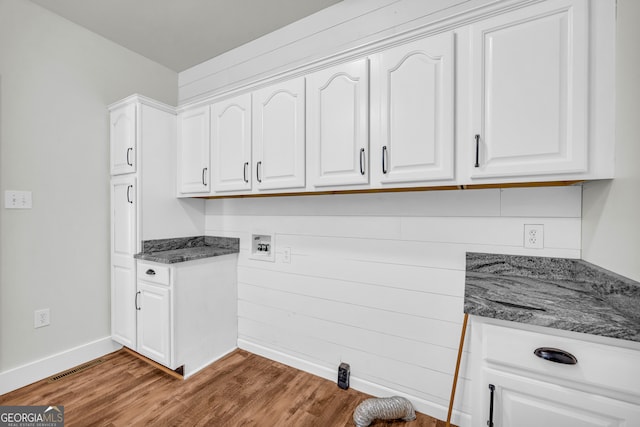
343, 376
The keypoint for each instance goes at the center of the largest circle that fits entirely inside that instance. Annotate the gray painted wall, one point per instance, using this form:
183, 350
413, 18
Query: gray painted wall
56, 80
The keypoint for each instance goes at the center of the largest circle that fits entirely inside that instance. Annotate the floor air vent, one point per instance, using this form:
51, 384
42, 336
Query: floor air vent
75, 370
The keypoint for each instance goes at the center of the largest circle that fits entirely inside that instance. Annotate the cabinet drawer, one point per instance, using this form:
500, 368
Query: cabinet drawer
599, 365
154, 273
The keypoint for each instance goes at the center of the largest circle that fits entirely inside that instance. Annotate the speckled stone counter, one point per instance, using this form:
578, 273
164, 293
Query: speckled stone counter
559, 293
170, 251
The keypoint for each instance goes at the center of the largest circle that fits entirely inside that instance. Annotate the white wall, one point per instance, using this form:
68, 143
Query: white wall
56, 80
377, 280
611, 209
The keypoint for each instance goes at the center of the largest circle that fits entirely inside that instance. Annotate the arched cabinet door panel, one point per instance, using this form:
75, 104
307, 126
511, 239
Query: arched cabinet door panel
279, 136
338, 124
122, 135
231, 144
412, 107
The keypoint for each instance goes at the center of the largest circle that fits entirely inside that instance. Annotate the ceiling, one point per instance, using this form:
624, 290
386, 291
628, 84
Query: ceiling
182, 33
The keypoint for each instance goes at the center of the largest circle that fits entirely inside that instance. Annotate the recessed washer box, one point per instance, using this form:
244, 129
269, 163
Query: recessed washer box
263, 247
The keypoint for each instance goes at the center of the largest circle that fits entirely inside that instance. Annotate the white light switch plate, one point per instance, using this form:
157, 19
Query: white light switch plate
14, 199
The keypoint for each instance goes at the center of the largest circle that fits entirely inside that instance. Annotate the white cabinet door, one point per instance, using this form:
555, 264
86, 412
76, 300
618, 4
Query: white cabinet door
122, 138
123, 216
412, 111
231, 144
154, 322
524, 402
530, 91
279, 135
123, 247
193, 151
338, 124
123, 291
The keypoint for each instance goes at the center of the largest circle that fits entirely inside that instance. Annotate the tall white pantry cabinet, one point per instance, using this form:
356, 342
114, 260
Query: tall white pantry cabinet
140, 128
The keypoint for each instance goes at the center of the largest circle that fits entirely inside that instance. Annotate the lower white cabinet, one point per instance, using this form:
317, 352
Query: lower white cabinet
153, 303
185, 313
517, 388
521, 401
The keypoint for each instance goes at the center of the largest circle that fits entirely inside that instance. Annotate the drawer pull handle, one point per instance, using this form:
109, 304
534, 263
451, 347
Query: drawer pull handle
556, 355
362, 171
477, 151
129, 150
129, 187
258, 169
151, 272
204, 171
384, 158
136, 303
492, 389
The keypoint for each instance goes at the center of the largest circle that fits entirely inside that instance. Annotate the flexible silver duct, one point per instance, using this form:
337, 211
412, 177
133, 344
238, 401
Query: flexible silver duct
384, 408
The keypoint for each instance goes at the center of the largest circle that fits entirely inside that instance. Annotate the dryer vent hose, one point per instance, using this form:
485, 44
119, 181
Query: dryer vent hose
384, 408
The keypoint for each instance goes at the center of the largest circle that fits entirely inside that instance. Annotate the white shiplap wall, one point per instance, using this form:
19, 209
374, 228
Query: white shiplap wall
344, 26
377, 280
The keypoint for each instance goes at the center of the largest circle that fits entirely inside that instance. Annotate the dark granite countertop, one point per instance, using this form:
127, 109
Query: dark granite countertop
181, 249
559, 293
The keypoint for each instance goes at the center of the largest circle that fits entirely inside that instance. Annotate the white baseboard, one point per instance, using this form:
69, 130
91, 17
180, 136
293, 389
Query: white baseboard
35, 371
430, 408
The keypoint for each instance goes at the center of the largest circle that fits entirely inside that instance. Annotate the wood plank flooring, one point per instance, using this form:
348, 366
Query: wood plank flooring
242, 389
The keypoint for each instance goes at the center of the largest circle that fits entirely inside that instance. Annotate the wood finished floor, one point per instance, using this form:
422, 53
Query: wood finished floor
242, 389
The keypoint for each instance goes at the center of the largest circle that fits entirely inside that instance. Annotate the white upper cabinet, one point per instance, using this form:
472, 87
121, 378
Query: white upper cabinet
338, 125
530, 91
193, 151
123, 139
231, 144
520, 92
412, 111
279, 135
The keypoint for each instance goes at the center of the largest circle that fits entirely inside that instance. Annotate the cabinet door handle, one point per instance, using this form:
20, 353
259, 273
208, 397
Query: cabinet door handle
492, 388
128, 151
362, 161
150, 272
244, 171
137, 294
477, 151
204, 170
556, 355
129, 187
258, 167
384, 162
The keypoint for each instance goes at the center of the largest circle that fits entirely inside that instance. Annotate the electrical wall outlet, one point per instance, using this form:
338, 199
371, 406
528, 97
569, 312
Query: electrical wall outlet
534, 236
41, 318
286, 255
